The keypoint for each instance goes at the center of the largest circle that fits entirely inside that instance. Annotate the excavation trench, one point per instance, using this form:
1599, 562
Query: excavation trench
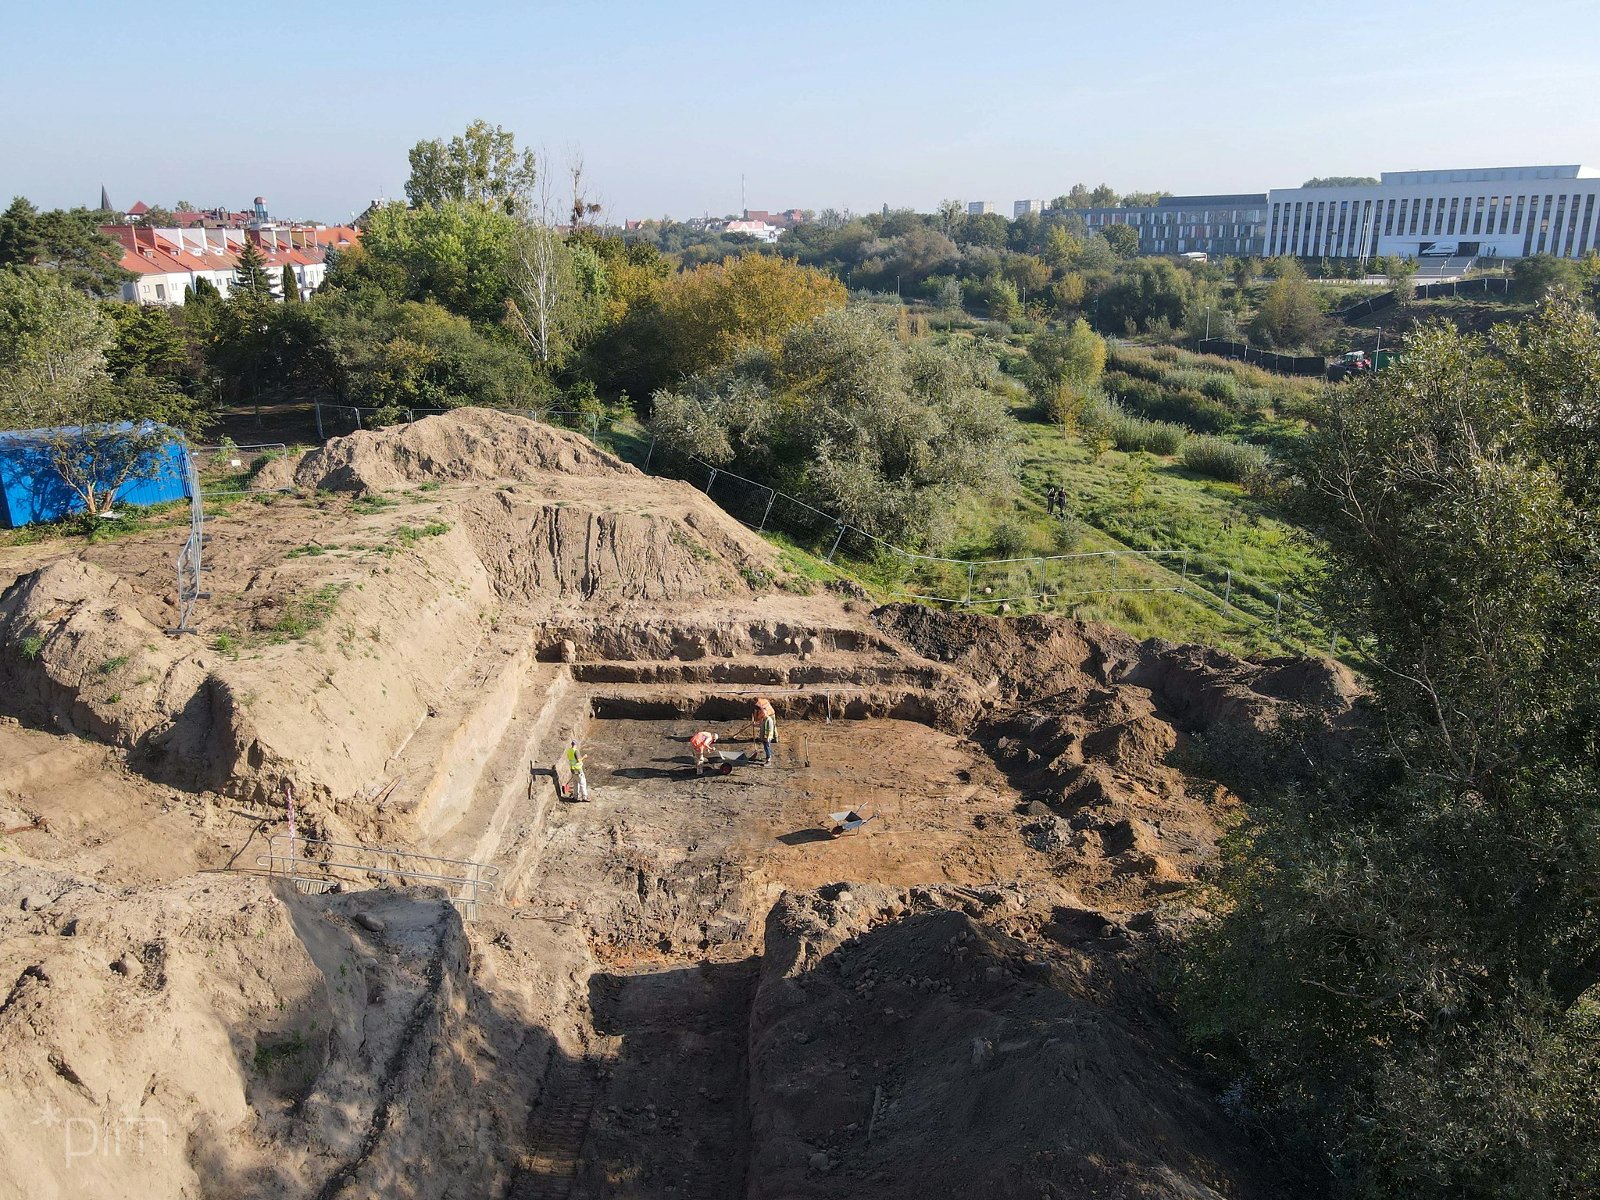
668, 877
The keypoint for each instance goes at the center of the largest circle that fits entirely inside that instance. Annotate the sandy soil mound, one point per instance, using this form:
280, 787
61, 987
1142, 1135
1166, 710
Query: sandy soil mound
467, 444
267, 1044
898, 1045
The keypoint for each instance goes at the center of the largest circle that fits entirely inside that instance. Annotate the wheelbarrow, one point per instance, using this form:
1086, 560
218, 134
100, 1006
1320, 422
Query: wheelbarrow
840, 824
724, 761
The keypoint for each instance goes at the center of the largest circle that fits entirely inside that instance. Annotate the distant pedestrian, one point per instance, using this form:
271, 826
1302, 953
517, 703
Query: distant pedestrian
579, 784
1050, 499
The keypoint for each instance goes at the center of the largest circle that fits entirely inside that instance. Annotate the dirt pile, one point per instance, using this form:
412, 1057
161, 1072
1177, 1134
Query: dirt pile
333, 626
468, 444
1095, 728
903, 1040
267, 1044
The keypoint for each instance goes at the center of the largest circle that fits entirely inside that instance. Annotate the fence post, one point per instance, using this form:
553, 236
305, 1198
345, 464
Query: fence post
968, 600
1333, 639
321, 437
1039, 593
1113, 556
711, 480
357, 411
771, 496
838, 537
649, 454
1277, 614
1185, 580
594, 427
1227, 590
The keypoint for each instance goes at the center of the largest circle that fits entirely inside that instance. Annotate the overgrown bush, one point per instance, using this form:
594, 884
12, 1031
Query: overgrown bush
1221, 458
1134, 433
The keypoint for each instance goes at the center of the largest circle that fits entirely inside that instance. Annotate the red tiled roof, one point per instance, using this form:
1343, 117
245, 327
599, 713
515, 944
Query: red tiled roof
139, 209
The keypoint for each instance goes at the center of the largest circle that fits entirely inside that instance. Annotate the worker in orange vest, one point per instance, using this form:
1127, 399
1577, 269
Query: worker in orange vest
701, 744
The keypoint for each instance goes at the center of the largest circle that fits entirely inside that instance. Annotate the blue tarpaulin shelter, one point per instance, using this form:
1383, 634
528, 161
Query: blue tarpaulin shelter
32, 490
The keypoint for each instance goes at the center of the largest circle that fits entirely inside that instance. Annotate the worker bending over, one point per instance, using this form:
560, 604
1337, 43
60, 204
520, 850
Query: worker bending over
580, 785
701, 744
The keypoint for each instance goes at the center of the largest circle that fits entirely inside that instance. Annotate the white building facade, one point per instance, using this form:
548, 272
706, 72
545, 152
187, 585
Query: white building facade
1492, 212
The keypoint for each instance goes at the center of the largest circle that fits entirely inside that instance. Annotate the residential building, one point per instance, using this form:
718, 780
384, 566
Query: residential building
1021, 207
1495, 212
166, 263
978, 208
760, 230
1212, 225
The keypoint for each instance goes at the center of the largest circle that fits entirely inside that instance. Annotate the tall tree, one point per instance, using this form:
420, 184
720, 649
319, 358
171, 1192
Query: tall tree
252, 280
69, 242
1124, 240
289, 285
480, 166
20, 241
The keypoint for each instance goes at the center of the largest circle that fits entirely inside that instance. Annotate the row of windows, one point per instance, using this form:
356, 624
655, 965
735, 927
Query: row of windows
1350, 227
1177, 216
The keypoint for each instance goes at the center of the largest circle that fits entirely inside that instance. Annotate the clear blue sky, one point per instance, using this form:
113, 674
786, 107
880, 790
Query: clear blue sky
819, 103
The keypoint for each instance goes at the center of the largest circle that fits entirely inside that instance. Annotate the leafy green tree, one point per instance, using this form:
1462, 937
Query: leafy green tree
1142, 199
1402, 973
98, 433
985, 229
288, 285
456, 253
1123, 239
1076, 355
480, 166
1144, 292
1331, 181
884, 433
1289, 314
147, 341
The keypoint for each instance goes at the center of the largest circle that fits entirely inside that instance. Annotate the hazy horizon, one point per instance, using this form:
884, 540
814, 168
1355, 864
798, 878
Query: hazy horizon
836, 107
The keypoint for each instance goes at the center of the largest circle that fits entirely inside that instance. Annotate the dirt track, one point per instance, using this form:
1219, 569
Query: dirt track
681, 988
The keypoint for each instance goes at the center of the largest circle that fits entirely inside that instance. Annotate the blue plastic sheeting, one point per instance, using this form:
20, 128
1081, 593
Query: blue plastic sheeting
31, 490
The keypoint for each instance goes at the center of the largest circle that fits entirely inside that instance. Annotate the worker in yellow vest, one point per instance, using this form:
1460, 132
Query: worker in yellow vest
579, 785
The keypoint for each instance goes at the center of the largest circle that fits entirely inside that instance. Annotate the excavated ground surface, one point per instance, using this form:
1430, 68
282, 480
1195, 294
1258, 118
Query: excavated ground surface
679, 989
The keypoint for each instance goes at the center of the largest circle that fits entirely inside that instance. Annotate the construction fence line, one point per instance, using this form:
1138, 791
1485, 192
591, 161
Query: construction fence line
1048, 579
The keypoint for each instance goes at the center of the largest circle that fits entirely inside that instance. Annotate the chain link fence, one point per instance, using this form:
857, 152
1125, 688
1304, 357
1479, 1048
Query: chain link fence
1044, 580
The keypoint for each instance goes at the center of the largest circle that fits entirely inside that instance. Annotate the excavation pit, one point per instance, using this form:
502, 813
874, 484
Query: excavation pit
664, 864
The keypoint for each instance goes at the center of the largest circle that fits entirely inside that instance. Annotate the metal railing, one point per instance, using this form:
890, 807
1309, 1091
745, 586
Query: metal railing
317, 860
253, 449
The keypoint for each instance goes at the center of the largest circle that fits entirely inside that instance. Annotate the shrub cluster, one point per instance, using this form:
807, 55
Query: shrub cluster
1223, 459
1130, 433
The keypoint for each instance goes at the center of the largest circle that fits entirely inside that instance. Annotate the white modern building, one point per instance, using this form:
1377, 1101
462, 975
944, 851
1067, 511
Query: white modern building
1023, 207
977, 208
1491, 212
